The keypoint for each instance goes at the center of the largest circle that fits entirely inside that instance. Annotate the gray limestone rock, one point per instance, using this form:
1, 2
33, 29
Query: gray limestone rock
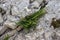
22, 8
2, 29
9, 24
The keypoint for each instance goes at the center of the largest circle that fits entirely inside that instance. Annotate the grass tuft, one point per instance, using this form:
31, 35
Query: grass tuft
30, 21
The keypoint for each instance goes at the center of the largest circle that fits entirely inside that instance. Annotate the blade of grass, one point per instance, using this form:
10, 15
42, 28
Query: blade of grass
31, 20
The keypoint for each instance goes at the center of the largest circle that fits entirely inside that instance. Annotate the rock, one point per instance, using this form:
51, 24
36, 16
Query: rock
20, 37
11, 33
13, 37
57, 30
9, 24
13, 18
23, 4
58, 13
20, 9
39, 1
4, 17
35, 4
15, 11
31, 1
1, 19
2, 29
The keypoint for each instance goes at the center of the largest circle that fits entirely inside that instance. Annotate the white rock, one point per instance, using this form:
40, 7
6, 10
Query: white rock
39, 1
13, 18
58, 14
52, 11
15, 11
27, 9
2, 29
13, 37
11, 33
23, 4
9, 24
20, 37
35, 4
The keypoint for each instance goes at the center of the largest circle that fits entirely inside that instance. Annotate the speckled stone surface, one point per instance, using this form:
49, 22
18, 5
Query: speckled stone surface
16, 9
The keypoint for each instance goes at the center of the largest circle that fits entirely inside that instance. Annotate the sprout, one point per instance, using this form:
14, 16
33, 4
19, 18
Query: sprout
30, 21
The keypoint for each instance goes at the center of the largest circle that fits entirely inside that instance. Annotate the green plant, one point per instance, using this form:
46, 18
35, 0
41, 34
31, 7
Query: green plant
30, 21
7, 37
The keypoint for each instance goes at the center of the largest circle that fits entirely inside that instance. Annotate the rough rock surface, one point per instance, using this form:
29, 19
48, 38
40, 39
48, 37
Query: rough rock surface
16, 9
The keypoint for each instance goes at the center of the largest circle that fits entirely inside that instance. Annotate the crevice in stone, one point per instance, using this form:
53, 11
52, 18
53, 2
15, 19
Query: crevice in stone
10, 9
7, 30
2, 11
31, 1
43, 4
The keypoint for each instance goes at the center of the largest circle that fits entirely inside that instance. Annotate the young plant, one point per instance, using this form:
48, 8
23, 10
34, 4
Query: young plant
30, 21
7, 37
